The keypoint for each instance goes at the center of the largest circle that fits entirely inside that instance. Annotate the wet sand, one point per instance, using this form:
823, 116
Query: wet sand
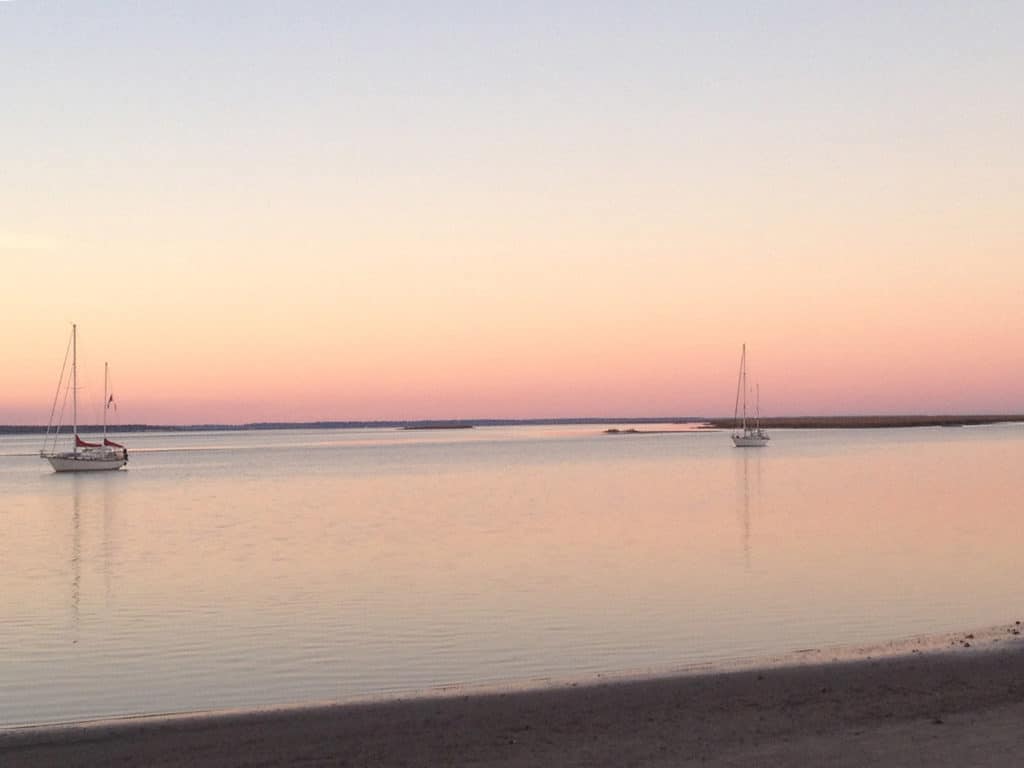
961, 703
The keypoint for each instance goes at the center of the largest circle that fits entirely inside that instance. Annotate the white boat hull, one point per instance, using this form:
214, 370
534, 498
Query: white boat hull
750, 441
80, 463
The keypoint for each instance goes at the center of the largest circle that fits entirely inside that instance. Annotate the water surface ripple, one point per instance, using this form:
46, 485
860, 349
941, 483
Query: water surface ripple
242, 569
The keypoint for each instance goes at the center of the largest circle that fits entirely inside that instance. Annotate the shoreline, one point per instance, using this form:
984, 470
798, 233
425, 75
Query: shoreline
718, 422
822, 706
871, 422
828, 422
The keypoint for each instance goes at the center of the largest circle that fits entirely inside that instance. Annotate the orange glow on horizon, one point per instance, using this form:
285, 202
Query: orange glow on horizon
489, 234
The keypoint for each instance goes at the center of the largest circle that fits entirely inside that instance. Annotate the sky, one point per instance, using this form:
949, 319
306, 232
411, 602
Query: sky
267, 211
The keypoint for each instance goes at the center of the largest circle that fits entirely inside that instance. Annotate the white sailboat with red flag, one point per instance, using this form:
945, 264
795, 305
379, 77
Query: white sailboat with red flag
84, 456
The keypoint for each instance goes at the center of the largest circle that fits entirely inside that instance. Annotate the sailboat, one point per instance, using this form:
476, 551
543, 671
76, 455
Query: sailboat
83, 456
744, 435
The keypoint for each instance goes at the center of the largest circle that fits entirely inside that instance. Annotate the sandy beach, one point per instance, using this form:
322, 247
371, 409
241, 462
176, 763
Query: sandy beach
958, 702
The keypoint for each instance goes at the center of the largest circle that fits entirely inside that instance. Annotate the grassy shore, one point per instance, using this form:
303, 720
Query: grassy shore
963, 705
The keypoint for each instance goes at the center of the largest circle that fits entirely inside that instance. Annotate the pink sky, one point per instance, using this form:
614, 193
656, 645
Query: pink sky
569, 211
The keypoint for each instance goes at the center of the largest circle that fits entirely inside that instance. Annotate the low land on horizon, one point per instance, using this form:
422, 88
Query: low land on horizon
872, 422
723, 422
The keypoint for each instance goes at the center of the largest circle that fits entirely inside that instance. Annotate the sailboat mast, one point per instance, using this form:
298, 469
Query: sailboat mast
736, 405
757, 407
106, 367
74, 382
743, 367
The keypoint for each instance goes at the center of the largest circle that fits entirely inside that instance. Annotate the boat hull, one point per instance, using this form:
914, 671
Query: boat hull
749, 441
85, 464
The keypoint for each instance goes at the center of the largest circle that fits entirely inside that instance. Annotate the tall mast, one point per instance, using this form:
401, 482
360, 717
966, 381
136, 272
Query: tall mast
743, 368
736, 405
757, 407
74, 381
105, 369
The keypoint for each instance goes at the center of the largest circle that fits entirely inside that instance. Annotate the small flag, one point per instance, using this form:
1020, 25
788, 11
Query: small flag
111, 402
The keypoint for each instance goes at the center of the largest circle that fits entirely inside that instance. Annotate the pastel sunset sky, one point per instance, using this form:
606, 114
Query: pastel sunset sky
277, 211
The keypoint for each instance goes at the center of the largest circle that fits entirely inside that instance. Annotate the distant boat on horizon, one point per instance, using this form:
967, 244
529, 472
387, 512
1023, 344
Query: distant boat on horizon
83, 456
744, 435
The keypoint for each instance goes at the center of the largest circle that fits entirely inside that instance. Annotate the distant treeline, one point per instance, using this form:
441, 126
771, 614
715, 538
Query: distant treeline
870, 422
776, 422
413, 424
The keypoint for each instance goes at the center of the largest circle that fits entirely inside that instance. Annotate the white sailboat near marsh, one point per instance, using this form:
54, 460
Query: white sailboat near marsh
747, 434
83, 456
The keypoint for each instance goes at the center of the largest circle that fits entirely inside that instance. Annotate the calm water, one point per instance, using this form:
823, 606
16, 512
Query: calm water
246, 569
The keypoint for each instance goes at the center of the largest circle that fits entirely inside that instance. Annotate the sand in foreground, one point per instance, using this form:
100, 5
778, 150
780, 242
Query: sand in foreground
961, 707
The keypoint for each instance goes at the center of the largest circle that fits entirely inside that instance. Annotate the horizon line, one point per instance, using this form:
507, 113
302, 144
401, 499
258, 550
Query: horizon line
906, 419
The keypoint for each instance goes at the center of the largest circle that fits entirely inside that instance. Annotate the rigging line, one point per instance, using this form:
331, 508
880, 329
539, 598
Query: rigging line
60, 417
736, 407
56, 394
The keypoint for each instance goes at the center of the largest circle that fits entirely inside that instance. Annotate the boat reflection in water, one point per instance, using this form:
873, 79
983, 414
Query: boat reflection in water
91, 513
748, 486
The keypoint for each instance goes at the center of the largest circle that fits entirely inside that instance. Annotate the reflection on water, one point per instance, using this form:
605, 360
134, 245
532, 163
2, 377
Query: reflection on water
329, 565
76, 557
103, 489
747, 462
